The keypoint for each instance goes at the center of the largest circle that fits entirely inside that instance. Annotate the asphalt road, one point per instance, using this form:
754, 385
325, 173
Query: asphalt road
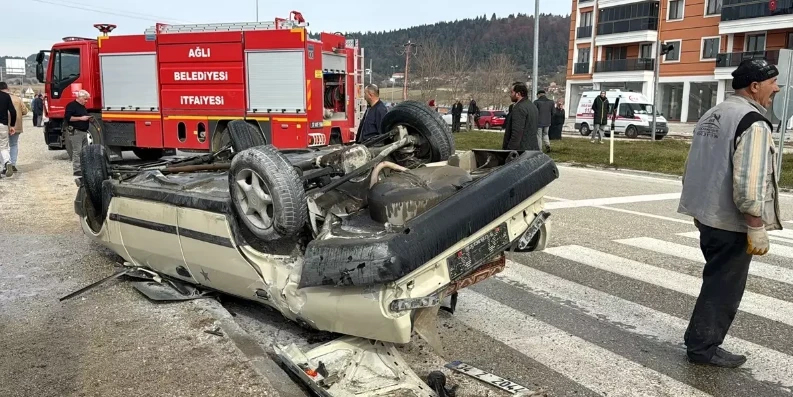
600, 313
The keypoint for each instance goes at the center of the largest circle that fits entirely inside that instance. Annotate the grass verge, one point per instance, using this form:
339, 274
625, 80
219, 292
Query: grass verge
666, 156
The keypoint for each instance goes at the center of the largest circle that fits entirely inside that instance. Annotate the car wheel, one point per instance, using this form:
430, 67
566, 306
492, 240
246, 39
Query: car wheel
436, 142
148, 154
584, 130
487, 125
267, 194
93, 162
659, 137
631, 132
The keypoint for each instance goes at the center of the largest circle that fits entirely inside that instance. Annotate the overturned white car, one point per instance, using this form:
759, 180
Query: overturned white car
353, 239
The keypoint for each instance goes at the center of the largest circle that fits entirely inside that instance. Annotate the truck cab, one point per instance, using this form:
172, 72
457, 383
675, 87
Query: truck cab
70, 66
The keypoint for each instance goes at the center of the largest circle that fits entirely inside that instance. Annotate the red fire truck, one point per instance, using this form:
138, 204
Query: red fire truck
178, 86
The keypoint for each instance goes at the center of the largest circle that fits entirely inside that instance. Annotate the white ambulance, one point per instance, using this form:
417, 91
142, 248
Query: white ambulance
634, 116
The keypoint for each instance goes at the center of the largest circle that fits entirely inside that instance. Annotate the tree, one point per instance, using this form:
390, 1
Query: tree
430, 63
491, 82
459, 69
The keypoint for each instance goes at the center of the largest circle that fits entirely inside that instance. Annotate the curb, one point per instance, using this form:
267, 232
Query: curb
260, 361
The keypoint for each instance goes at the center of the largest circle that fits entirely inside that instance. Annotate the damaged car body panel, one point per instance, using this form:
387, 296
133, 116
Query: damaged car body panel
359, 240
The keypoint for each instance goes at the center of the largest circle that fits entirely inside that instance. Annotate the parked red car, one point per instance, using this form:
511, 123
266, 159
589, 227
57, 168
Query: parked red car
491, 118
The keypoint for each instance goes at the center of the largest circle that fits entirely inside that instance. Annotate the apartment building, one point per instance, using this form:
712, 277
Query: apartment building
612, 46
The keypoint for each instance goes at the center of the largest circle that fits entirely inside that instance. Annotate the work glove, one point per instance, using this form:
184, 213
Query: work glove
757, 239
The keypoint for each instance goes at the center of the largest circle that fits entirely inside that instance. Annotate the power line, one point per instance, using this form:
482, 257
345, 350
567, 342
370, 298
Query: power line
110, 11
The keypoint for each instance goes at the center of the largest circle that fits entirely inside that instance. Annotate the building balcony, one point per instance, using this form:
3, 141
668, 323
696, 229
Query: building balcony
627, 31
625, 65
727, 62
583, 32
741, 16
581, 68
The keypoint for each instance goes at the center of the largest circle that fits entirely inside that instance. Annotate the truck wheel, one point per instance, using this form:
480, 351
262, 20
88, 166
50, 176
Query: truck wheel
436, 141
148, 154
93, 161
631, 132
584, 130
267, 194
240, 134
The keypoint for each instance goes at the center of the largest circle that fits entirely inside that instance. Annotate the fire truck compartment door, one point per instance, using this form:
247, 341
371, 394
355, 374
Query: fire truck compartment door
334, 63
129, 81
276, 81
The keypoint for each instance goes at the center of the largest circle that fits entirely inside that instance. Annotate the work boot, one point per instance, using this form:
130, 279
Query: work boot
9, 169
14, 167
722, 358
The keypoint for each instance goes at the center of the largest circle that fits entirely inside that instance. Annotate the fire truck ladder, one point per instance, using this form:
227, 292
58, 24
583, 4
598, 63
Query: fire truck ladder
222, 27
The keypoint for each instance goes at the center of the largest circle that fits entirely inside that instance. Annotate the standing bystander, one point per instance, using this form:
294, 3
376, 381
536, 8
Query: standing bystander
8, 120
600, 110
37, 107
77, 117
730, 189
13, 140
457, 113
544, 112
520, 128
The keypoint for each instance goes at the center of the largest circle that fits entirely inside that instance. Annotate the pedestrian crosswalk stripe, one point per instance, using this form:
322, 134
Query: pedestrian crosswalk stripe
776, 249
586, 363
759, 269
754, 303
782, 233
611, 200
764, 364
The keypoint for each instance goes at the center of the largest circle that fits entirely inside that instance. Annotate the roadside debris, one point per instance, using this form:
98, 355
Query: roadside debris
487, 377
437, 381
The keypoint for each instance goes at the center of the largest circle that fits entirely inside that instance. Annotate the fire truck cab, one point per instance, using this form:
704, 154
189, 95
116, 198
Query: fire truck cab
176, 87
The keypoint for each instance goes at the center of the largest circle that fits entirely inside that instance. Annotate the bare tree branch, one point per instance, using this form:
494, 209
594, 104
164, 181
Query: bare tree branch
430, 66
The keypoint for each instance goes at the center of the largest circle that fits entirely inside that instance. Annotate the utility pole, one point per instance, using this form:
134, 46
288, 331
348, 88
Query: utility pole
535, 70
257, 10
407, 49
371, 72
393, 82
660, 49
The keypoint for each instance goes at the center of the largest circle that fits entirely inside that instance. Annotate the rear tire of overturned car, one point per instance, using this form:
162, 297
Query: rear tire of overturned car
421, 120
267, 194
93, 161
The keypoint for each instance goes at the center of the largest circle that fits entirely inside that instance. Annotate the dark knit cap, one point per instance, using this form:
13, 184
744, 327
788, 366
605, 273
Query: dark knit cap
752, 71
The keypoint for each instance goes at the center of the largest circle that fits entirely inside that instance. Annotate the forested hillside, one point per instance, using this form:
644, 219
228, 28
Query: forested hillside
483, 37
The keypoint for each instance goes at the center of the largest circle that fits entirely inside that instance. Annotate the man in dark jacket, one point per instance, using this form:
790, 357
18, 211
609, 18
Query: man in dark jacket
600, 108
372, 122
457, 113
37, 106
544, 111
520, 128
473, 114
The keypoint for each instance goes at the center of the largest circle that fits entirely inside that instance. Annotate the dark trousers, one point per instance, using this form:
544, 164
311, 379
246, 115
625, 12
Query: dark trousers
723, 283
37, 119
456, 123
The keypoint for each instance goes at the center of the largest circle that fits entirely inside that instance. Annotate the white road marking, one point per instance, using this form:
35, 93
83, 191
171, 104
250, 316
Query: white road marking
645, 214
582, 361
764, 364
612, 200
754, 303
759, 269
776, 249
788, 234
656, 179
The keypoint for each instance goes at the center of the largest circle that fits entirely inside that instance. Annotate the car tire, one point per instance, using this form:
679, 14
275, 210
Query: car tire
419, 119
487, 125
148, 154
659, 137
584, 130
631, 132
93, 161
267, 194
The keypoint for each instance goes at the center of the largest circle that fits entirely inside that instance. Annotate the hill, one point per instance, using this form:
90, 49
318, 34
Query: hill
480, 55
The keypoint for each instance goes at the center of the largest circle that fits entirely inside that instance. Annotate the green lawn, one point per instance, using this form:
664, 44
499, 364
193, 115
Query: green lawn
666, 156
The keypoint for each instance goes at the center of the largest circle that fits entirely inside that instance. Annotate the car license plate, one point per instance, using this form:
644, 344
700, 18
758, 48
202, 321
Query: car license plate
497, 381
478, 252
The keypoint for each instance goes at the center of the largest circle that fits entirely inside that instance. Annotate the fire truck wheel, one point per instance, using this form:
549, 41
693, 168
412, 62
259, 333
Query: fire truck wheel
93, 161
148, 154
266, 193
244, 136
437, 143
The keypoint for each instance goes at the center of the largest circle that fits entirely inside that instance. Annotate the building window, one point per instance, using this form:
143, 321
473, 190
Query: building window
613, 53
646, 51
675, 10
712, 7
586, 19
583, 55
628, 18
674, 53
710, 47
755, 42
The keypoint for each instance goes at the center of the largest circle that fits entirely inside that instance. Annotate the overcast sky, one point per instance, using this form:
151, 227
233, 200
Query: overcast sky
31, 25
